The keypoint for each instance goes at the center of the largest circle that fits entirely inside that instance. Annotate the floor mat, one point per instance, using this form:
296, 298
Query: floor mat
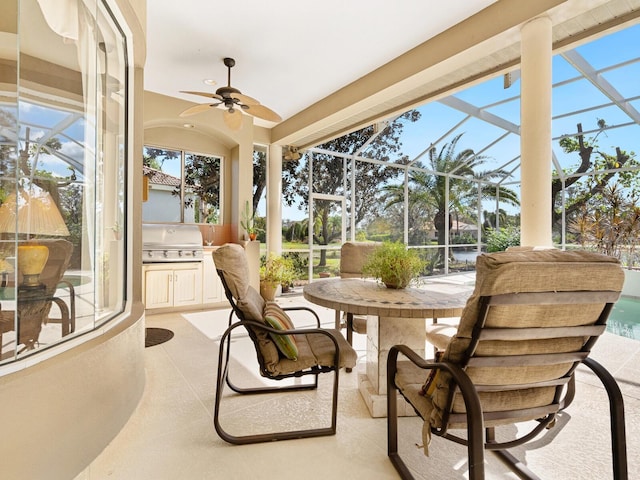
156, 336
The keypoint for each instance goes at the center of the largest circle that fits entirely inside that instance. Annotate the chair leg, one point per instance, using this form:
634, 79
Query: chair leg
256, 390
222, 379
392, 419
349, 334
616, 414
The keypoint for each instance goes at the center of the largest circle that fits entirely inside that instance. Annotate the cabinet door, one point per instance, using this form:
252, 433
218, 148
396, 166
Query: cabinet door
187, 287
158, 288
211, 285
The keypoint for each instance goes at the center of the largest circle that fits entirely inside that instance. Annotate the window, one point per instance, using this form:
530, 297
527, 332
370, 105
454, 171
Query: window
182, 187
63, 156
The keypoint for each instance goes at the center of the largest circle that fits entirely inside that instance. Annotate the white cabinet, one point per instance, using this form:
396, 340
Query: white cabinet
172, 285
211, 285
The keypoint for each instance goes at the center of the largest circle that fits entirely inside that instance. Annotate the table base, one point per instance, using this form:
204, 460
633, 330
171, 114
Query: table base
382, 334
377, 403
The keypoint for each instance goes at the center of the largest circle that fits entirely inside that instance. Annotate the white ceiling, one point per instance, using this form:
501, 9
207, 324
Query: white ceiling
289, 53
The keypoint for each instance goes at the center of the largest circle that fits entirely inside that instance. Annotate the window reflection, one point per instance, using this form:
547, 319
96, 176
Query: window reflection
62, 172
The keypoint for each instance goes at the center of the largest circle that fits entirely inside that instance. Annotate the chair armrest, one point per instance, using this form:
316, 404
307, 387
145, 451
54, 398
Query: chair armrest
67, 313
296, 331
289, 309
475, 422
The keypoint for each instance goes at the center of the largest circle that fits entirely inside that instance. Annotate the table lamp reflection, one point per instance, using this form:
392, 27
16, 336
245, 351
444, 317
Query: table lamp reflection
31, 213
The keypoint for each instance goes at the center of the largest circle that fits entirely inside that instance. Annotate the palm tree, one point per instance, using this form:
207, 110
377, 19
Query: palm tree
427, 188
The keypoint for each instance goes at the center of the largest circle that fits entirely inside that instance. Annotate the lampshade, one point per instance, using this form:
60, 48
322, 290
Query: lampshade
32, 213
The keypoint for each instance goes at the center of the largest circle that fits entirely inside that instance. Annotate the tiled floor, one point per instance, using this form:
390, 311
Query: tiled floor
171, 434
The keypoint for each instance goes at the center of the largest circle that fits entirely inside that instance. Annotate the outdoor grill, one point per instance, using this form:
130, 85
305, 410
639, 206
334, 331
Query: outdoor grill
163, 243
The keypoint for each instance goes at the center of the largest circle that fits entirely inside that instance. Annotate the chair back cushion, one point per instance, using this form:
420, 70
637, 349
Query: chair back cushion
353, 256
60, 251
518, 272
231, 259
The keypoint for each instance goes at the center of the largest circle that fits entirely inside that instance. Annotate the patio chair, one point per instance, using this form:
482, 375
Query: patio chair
282, 350
533, 318
353, 256
34, 307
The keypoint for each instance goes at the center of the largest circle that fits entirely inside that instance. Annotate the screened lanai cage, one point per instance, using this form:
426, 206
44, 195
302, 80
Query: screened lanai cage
445, 178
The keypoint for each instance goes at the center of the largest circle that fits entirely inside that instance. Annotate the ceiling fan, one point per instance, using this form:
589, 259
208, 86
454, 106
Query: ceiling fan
233, 102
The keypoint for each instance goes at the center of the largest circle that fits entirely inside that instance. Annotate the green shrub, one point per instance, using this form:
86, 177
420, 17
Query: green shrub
498, 240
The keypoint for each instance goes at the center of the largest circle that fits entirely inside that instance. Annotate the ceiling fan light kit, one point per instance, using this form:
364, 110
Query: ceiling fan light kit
233, 102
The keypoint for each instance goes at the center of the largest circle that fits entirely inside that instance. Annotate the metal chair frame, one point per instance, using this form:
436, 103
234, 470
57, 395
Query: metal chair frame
481, 438
224, 357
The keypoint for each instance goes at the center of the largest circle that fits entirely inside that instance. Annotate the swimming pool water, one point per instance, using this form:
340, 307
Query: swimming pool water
624, 319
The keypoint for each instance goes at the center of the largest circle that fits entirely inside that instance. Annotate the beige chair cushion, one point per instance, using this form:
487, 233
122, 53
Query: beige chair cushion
316, 349
546, 270
353, 256
232, 260
312, 349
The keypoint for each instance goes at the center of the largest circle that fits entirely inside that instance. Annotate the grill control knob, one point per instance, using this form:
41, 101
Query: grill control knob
179, 253
150, 253
166, 254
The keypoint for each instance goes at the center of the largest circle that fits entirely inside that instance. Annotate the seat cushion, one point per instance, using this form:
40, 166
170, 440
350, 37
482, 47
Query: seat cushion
316, 349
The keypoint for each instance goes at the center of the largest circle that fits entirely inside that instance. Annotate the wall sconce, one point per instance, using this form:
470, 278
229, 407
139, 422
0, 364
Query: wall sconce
31, 213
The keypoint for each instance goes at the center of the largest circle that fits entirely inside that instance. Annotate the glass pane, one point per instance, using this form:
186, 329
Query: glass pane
110, 174
9, 148
327, 223
201, 188
373, 198
328, 174
62, 174
163, 170
259, 194
327, 236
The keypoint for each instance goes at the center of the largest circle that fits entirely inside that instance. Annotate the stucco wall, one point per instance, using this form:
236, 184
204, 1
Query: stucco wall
58, 415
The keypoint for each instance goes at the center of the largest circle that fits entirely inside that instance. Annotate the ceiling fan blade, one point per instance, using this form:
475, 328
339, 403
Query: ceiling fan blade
198, 108
263, 112
203, 94
246, 99
232, 119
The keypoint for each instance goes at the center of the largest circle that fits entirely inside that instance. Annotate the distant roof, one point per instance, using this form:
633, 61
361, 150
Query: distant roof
160, 178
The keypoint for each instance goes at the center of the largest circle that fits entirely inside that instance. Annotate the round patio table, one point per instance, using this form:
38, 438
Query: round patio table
393, 317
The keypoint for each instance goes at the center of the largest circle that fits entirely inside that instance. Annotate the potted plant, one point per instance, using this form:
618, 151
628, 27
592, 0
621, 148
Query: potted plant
393, 264
275, 271
248, 221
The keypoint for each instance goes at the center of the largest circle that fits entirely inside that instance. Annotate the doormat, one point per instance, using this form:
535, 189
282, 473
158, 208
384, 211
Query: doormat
156, 336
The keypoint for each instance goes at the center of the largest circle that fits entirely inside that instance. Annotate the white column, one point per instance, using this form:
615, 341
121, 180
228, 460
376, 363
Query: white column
274, 199
535, 135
